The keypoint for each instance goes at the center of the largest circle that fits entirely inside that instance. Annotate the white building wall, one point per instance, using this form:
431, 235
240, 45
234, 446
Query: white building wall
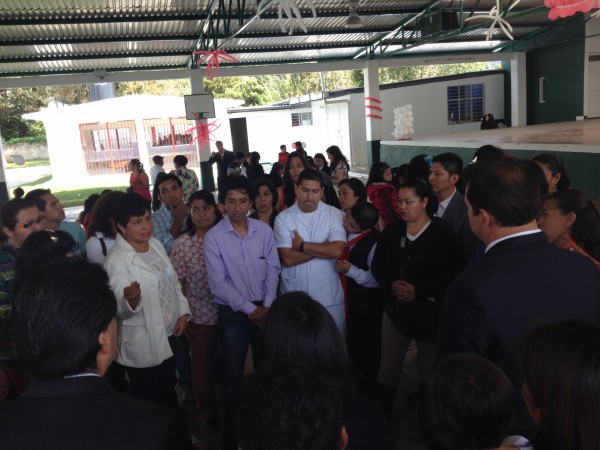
430, 108
267, 130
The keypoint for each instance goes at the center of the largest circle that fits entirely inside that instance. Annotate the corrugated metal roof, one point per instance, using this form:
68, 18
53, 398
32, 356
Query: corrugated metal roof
56, 36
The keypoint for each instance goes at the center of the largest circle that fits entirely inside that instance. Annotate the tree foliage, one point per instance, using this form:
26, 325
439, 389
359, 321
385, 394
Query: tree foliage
16, 102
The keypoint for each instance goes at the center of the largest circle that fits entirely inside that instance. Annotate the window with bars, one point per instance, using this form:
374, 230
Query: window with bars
303, 119
465, 103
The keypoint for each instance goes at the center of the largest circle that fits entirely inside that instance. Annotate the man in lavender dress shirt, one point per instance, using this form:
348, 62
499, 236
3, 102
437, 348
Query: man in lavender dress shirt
243, 272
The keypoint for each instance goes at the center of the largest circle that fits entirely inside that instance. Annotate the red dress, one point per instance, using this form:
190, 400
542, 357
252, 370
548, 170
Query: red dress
283, 156
385, 198
136, 181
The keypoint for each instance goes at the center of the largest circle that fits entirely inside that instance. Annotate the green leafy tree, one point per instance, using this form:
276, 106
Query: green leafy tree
16, 102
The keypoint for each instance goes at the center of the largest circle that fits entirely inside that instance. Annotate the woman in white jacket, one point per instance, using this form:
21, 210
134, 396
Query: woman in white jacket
151, 308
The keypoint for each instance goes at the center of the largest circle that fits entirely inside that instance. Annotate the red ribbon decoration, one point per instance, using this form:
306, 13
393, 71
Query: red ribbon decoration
204, 132
212, 64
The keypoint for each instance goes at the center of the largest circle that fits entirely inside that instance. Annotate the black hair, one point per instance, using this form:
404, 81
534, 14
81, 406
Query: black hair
423, 191
510, 189
321, 156
559, 364
42, 247
418, 167
289, 188
471, 403
160, 179
288, 405
209, 199
163, 176
282, 146
157, 158
103, 213
270, 186
487, 151
18, 192
180, 160
357, 187
239, 155
128, 206
254, 157
452, 163
11, 209
35, 197
136, 162
555, 167
235, 183
337, 154
298, 327
58, 316
88, 205
586, 228
276, 167
365, 214
310, 174
376, 172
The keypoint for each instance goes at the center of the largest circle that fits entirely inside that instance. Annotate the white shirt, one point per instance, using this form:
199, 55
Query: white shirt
443, 205
522, 233
316, 277
363, 277
93, 247
154, 171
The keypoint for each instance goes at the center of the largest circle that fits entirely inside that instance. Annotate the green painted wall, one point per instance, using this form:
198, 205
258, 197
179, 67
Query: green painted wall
562, 65
581, 167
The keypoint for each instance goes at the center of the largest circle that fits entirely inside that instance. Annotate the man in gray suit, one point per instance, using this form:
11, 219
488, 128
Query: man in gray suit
443, 177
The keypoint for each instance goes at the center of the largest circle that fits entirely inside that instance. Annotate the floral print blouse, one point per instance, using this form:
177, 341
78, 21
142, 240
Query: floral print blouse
188, 259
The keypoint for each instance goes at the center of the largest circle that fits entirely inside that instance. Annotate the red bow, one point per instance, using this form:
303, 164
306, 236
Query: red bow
212, 65
204, 132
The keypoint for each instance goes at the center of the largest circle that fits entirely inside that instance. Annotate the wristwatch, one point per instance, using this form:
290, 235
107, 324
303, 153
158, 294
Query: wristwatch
301, 248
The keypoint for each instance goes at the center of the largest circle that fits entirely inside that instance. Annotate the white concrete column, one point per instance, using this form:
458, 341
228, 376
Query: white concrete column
518, 90
373, 111
207, 179
372, 101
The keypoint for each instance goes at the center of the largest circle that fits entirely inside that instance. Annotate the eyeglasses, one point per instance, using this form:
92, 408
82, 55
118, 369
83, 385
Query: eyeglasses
31, 223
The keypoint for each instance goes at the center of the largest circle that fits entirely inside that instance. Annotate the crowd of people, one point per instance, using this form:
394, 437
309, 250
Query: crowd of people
492, 270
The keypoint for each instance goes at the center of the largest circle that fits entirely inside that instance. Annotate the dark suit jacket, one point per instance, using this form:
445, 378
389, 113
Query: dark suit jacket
86, 413
222, 164
520, 283
456, 215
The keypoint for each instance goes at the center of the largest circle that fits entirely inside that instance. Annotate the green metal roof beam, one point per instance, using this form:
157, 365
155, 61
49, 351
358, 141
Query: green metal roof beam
375, 42
486, 24
40, 58
74, 20
529, 39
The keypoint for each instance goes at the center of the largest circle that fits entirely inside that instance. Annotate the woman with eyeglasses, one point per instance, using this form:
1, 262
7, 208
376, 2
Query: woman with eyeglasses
151, 308
19, 219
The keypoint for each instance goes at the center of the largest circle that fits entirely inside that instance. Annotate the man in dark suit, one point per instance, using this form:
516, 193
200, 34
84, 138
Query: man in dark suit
223, 158
522, 281
66, 337
445, 172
